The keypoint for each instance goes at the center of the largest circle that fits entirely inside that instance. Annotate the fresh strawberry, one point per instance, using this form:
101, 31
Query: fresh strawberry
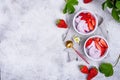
83, 18
93, 21
103, 50
92, 73
90, 26
103, 43
88, 42
82, 14
61, 23
87, 1
97, 45
100, 44
84, 69
96, 39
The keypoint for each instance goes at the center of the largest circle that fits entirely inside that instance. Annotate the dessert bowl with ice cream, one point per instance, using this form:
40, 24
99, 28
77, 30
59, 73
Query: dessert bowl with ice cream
96, 48
85, 22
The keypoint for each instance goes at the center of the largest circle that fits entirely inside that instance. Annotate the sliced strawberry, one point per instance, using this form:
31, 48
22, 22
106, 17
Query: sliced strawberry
97, 45
97, 39
88, 42
87, 1
88, 14
93, 21
103, 50
90, 26
84, 18
82, 14
100, 44
88, 19
103, 43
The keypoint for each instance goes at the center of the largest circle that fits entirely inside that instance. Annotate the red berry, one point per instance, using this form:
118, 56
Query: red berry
90, 26
84, 69
82, 14
103, 43
96, 39
93, 21
97, 45
61, 23
92, 73
88, 42
87, 1
103, 50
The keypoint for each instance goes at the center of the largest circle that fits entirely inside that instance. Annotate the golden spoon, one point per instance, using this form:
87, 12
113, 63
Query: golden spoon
69, 44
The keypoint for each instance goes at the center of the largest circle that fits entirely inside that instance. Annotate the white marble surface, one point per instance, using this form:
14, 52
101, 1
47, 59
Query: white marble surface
31, 46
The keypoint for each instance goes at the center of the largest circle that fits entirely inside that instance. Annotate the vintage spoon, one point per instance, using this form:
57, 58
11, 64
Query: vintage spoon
69, 44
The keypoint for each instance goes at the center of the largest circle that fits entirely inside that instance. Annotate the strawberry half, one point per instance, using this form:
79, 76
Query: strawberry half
84, 69
87, 1
92, 73
88, 42
61, 23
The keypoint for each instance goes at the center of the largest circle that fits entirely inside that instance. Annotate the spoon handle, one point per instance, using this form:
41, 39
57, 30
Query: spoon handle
80, 55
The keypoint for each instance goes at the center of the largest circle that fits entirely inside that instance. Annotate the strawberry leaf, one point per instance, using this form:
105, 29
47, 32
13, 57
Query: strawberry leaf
115, 14
73, 2
106, 69
118, 4
104, 5
69, 7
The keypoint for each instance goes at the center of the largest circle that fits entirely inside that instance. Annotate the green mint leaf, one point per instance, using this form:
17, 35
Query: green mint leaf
117, 4
104, 5
65, 9
73, 2
69, 7
115, 14
106, 69
109, 3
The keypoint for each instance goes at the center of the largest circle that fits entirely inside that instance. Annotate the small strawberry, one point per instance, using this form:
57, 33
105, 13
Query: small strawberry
87, 1
92, 73
84, 69
61, 23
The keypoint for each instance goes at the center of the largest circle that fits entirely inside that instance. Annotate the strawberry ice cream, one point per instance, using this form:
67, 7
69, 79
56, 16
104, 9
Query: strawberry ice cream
93, 51
85, 22
96, 47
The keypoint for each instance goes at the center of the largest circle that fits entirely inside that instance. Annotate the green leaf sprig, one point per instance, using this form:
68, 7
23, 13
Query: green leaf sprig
69, 7
115, 6
106, 69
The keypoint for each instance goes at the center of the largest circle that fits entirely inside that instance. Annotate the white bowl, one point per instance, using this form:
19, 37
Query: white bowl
92, 15
100, 58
